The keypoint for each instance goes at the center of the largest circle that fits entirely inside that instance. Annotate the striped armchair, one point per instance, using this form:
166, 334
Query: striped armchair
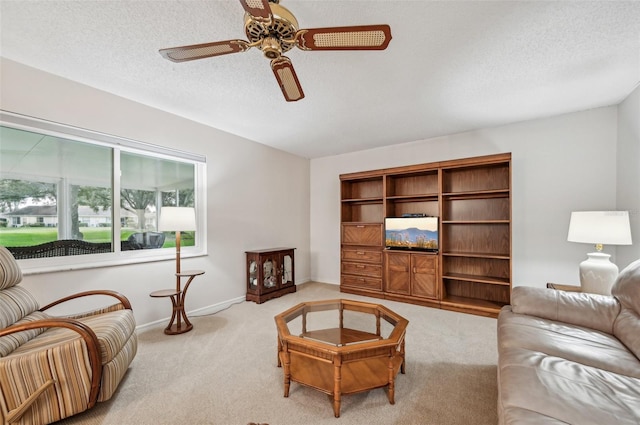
53, 367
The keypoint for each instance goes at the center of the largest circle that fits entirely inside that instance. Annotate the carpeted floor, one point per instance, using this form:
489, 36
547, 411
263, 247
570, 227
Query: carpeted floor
224, 372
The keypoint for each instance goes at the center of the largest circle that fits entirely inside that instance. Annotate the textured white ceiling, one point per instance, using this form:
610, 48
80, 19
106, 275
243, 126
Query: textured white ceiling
451, 66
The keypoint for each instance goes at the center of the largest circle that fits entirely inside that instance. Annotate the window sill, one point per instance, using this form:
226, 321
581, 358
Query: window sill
81, 262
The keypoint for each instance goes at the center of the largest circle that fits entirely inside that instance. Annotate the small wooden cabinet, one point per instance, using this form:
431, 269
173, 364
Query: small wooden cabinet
412, 274
270, 273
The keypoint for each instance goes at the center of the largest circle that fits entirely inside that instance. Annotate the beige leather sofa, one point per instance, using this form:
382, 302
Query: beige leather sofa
569, 357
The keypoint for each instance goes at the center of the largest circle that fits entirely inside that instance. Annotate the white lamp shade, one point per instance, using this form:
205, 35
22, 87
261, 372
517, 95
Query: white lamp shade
600, 227
173, 219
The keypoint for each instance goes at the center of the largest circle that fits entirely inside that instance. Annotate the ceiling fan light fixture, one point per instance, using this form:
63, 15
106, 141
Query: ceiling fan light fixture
271, 48
282, 25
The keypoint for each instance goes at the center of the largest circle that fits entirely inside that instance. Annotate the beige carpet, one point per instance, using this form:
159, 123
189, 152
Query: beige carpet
224, 372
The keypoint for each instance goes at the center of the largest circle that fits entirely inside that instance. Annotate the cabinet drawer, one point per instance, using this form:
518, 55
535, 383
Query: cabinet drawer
362, 255
362, 234
362, 282
362, 269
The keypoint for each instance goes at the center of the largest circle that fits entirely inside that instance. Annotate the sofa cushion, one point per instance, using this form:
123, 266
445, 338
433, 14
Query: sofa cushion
519, 416
114, 371
10, 272
627, 291
10, 342
627, 287
574, 343
15, 303
112, 329
568, 391
589, 310
627, 330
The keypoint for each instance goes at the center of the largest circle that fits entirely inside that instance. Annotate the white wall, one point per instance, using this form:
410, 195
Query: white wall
559, 164
628, 178
258, 197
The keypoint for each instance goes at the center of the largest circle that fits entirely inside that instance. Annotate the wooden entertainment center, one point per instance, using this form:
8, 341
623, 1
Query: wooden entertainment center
471, 272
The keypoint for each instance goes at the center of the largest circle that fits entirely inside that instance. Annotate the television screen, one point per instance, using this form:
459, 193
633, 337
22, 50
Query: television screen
417, 233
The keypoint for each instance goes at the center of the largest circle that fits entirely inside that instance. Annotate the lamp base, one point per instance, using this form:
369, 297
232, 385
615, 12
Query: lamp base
597, 273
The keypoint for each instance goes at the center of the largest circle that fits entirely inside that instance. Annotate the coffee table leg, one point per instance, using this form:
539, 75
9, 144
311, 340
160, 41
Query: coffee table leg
392, 389
287, 372
337, 385
279, 351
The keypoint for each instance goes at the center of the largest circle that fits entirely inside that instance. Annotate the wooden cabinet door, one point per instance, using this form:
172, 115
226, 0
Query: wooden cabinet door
398, 276
287, 268
423, 268
270, 267
362, 234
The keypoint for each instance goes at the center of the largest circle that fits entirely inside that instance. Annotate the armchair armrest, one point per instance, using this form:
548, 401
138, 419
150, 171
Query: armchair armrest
123, 301
85, 332
582, 309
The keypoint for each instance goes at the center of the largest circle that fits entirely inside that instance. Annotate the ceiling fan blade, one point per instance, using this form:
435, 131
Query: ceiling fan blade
364, 37
287, 79
257, 8
206, 50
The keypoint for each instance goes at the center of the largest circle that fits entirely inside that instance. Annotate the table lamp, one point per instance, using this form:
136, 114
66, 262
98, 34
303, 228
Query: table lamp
597, 273
177, 219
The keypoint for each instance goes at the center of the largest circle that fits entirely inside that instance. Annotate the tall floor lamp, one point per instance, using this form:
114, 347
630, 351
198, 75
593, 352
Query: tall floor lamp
597, 273
177, 219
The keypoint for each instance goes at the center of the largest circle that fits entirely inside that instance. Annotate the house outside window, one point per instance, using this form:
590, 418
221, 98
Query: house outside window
64, 187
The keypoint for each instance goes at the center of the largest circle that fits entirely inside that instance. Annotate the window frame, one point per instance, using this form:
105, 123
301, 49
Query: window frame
117, 145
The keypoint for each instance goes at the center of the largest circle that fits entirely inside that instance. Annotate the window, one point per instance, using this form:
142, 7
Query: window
66, 192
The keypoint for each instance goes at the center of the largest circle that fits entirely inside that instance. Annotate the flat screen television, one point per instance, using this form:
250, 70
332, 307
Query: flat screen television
411, 233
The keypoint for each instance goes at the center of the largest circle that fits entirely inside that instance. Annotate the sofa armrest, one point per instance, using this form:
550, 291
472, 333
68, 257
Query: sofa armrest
582, 309
123, 302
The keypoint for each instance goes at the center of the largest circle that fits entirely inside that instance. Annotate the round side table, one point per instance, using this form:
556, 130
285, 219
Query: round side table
179, 322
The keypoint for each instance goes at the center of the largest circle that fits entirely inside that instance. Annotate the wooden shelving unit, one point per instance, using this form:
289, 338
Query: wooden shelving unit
476, 235
472, 197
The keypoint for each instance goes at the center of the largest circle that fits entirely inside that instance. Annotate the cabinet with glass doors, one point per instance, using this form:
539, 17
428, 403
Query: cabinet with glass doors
270, 273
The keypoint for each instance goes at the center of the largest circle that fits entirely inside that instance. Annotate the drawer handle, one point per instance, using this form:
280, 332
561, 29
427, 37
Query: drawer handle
360, 252
360, 266
360, 226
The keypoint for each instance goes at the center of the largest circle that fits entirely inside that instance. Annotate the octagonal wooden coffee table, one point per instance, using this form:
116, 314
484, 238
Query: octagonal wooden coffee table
341, 347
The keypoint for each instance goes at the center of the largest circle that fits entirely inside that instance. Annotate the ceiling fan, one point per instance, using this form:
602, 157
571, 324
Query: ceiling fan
274, 30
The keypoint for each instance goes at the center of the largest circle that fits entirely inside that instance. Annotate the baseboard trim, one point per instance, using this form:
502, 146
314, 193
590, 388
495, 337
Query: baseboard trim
204, 311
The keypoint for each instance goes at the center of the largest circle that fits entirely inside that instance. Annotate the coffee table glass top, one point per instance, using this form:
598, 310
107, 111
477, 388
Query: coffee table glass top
340, 323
